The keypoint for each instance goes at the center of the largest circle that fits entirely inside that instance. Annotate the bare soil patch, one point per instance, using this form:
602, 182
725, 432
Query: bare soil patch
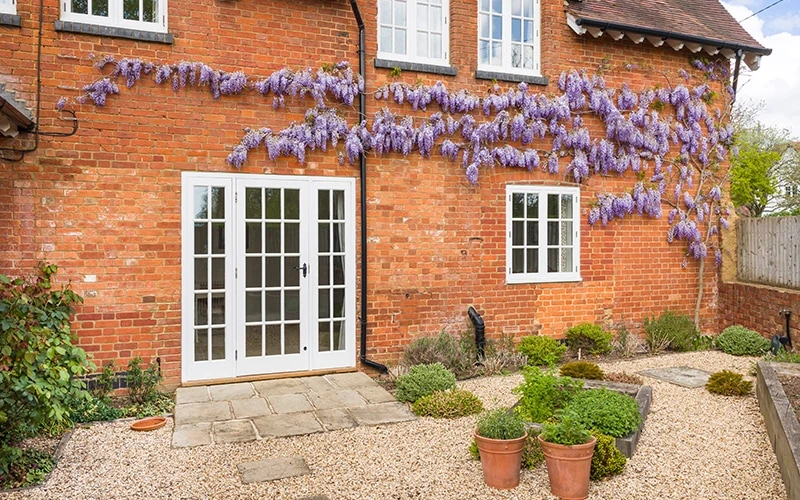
791, 386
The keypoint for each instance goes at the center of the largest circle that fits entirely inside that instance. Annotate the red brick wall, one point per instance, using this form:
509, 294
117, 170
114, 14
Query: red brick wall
759, 307
105, 203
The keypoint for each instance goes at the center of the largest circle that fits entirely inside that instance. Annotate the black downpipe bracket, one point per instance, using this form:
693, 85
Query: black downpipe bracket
362, 116
480, 332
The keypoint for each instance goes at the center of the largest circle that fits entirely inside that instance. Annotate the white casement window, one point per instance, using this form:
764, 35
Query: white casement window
144, 15
8, 7
414, 31
542, 234
508, 36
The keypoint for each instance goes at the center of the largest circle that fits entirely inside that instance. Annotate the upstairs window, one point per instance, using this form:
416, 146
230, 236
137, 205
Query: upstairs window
414, 31
8, 7
508, 36
144, 15
542, 234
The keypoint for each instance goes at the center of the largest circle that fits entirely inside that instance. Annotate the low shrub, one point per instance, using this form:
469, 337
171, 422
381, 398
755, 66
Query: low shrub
142, 383
422, 380
447, 404
94, 410
607, 459
532, 455
624, 378
500, 423
627, 344
671, 331
29, 467
740, 341
728, 383
607, 412
158, 405
102, 386
457, 355
502, 362
541, 351
581, 369
589, 337
543, 393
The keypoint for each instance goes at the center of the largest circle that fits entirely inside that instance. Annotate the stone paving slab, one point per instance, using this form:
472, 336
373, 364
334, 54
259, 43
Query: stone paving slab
280, 386
272, 469
354, 380
384, 413
185, 395
318, 384
376, 394
684, 376
290, 424
336, 419
193, 413
234, 431
187, 436
345, 398
247, 408
228, 392
290, 403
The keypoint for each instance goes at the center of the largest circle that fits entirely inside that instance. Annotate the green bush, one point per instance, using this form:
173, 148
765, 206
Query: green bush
500, 423
741, 341
671, 331
457, 355
589, 337
142, 384
624, 378
728, 383
542, 393
783, 356
607, 412
582, 369
532, 455
94, 410
567, 431
41, 369
30, 467
103, 385
422, 380
607, 459
447, 404
541, 351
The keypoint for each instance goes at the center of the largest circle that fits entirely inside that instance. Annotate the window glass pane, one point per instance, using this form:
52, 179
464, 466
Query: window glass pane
338, 336
324, 205
436, 46
532, 260
483, 51
552, 260
552, 233
252, 237
201, 310
253, 341
533, 205
497, 6
483, 19
324, 270
566, 233
252, 306
273, 334
528, 6
527, 57
218, 343
497, 53
201, 345
218, 273
80, 6
217, 308
252, 203
272, 272
291, 208
566, 260
516, 30
252, 272
130, 9
516, 7
272, 200
516, 55
201, 202
485, 5
217, 203
566, 206
436, 19
324, 303
150, 14
272, 305
291, 271
386, 39
201, 274
517, 261
517, 205
291, 339
517, 233
422, 17
273, 238
324, 337
292, 234
497, 27
385, 11
552, 206
422, 44
399, 41
399, 13
533, 233
528, 32
99, 8
291, 305
217, 237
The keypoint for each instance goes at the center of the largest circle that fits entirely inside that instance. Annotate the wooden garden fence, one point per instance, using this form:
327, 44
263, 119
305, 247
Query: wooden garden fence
769, 251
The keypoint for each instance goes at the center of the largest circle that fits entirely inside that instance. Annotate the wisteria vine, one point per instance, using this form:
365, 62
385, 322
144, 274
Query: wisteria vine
667, 136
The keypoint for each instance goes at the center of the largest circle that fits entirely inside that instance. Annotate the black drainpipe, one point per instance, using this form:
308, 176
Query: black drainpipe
480, 331
362, 116
788, 315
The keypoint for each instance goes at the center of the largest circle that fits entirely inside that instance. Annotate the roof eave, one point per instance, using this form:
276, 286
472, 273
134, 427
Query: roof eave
15, 115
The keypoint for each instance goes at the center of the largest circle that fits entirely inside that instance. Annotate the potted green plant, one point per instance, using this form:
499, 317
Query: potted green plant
568, 448
500, 435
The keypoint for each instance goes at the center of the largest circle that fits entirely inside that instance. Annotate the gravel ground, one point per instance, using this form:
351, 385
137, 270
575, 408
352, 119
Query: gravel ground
694, 445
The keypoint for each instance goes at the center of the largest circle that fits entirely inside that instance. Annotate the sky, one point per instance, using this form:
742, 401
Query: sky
777, 82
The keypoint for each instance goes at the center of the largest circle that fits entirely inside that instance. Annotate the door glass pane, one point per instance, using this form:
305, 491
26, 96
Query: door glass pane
218, 343
291, 304
291, 339
338, 270
253, 272
272, 303
324, 336
252, 203
273, 238
201, 273
253, 341
272, 199
252, 237
217, 237
324, 270
338, 237
338, 303
272, 272
252, 306
291, 204
338, 205
217, 203
323, 205
201, 202
217, 308
201, 237
201, 310
292, 235
218, 273
291, 272
338, 336
324, 303
324, 238
201, 345
273, 338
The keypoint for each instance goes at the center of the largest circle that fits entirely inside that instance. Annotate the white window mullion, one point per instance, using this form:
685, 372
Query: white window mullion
412, 25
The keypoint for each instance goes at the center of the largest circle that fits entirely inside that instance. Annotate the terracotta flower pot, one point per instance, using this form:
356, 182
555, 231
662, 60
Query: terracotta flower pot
501, 459
568, 468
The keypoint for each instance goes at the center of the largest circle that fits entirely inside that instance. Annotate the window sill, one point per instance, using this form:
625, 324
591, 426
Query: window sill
509, 77
114, 32
9, 20
421, 68
541, 281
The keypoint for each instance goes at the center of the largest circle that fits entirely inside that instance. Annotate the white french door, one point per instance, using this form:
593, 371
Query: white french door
268, 274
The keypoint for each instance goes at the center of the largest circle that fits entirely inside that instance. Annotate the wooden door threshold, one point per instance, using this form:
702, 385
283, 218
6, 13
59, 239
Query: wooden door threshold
268, 376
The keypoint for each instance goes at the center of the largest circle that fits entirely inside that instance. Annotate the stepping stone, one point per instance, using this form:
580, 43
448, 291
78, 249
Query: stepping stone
272, 469
354, 380
683, 376
290, 424
234, 431
280, 386
385, 413
317, 384
247, 408
336, 419
376, 394
228, 392
185, 395
194, 413
187, 436
290, 403
336, 399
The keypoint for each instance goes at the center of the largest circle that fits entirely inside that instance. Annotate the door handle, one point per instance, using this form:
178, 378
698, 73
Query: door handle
304, 268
